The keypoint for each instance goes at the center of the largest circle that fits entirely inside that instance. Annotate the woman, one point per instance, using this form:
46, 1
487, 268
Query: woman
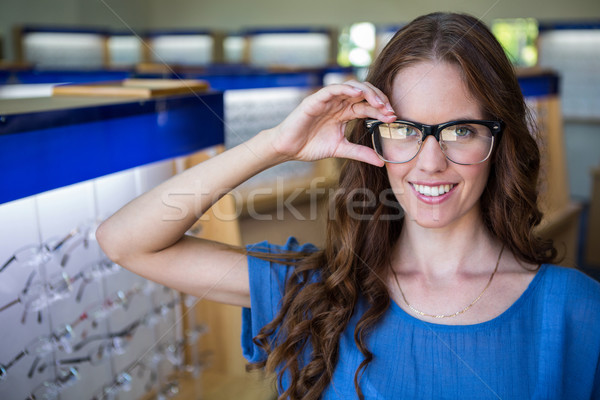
449, 298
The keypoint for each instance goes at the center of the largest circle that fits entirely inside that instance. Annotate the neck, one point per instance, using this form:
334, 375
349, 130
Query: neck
436, 254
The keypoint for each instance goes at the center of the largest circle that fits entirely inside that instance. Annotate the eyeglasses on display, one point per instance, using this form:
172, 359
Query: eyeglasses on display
36, 255
50, 390
37, 295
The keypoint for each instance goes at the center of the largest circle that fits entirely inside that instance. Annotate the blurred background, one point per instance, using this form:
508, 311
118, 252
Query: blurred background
100, 100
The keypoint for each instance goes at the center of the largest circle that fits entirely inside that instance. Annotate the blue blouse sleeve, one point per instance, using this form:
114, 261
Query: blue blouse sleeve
267, 284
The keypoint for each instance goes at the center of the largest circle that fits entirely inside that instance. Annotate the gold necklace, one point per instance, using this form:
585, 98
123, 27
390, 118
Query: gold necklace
458, 312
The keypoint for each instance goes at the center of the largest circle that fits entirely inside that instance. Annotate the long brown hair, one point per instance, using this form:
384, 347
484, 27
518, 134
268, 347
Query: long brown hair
349, 267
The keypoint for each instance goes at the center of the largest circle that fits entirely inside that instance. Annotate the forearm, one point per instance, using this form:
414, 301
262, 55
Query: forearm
159, 218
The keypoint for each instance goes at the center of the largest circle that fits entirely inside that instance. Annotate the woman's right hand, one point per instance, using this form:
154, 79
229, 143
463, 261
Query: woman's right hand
315, 129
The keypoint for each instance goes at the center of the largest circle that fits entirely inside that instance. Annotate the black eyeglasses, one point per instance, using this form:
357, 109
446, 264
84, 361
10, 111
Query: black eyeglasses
464, 142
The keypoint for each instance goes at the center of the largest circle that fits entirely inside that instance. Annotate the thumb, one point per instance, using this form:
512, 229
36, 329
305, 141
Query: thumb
359, 153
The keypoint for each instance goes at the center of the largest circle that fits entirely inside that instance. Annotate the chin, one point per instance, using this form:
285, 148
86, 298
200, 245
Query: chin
430, 223
428, 216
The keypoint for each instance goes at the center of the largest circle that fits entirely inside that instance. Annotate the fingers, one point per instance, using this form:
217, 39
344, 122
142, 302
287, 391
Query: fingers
339, 90
373, 95
365, 110
358, 91
372, 104
349, 101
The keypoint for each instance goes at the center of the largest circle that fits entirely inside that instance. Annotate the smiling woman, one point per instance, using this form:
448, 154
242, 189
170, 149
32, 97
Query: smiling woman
452, 298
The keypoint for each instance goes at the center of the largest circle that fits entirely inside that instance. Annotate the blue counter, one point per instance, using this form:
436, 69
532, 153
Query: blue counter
544, 83
232, 77
220, 76
48, 143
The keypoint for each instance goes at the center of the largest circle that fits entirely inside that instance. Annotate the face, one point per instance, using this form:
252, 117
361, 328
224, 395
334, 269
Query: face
433, 93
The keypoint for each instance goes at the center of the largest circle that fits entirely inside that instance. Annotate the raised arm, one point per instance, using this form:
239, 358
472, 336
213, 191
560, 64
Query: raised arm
147, 236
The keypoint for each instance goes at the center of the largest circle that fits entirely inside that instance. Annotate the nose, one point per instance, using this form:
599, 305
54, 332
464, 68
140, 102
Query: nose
430, 157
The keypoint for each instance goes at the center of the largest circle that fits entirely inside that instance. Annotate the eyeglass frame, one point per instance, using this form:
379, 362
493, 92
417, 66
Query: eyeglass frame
495, 127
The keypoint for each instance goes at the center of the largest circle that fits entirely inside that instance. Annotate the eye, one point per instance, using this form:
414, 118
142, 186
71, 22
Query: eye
463, 131
402, 131
409, 130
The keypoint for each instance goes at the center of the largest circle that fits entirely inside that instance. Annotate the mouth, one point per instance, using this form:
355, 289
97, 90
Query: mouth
433, 191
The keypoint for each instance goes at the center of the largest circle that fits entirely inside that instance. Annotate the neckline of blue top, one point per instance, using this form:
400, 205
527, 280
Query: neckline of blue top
406, 317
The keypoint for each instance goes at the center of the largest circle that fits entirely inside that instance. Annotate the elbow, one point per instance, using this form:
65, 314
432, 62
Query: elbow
107, 238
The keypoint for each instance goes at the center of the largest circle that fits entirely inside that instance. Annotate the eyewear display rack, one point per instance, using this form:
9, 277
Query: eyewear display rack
78, 325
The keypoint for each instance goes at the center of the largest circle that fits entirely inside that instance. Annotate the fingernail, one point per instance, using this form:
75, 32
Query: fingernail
380, 101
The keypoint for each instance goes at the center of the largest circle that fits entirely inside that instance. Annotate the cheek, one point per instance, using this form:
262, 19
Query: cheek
397, 173
478, 178
397, 177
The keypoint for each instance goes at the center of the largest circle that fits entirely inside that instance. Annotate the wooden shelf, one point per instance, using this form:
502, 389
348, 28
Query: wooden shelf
143, 88
215, 386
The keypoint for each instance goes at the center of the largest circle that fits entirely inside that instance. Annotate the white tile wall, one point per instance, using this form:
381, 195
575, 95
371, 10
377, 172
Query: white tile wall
46, 219
575, 55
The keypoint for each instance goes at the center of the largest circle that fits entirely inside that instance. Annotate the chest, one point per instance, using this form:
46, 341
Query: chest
474, 303
416, 362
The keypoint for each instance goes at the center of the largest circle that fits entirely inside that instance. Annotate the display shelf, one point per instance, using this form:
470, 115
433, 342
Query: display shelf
125, 49
296, 47
541, 89
538, 82
139, 88
61, 47
52, 142
568, 25
180, 47
220, 76
214, 386
4, 76
96, 154
35, 75
235, 77
217, 386
592, 253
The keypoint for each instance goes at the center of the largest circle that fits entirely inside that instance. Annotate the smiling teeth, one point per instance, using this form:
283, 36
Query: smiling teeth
432, 191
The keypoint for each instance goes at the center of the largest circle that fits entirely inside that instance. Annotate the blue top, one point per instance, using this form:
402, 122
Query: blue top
545, 346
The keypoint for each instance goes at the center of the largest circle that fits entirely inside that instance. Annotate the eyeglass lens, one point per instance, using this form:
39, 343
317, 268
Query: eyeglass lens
462, 143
